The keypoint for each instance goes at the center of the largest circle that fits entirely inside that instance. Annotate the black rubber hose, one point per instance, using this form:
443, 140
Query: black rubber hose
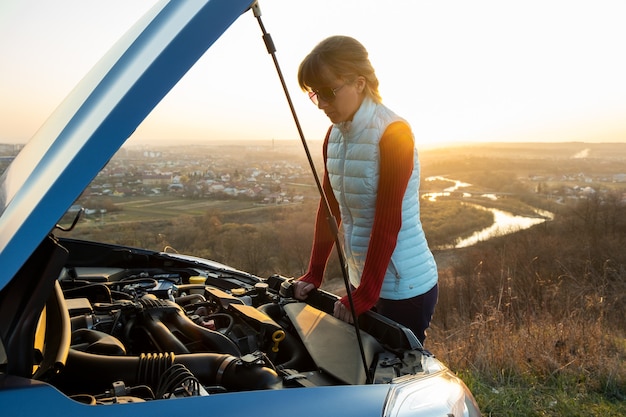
213, 340
87, 373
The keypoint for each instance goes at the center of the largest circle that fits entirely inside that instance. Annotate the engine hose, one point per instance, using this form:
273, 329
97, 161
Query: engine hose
162, 337
94, 341
86, 373
231, 372
152, 366
213, 340
293, 354
273, 310
95, 293
190, 299
163, 320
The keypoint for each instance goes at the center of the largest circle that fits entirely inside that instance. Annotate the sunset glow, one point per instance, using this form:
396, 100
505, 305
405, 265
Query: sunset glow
480, 71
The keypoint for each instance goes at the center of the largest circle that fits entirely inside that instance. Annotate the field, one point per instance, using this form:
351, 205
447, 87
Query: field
141, 209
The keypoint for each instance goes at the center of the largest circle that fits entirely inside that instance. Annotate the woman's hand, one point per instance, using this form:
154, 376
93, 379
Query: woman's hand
342, 312
301, 289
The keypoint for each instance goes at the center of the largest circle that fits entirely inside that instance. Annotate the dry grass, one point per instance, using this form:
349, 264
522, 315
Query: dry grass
535, 312
542, 350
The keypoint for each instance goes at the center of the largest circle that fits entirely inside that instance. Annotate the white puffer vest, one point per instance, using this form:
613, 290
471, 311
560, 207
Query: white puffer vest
353, 157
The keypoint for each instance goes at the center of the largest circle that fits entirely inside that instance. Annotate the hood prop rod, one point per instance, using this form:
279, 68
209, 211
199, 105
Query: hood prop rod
271, 49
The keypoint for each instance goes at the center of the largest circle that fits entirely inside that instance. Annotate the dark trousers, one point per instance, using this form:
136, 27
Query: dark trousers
414, 313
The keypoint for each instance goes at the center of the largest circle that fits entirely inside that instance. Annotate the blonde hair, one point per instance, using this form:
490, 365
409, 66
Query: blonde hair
343, 56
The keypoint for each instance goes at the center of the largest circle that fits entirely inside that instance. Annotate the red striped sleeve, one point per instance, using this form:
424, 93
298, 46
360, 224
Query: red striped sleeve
323, 238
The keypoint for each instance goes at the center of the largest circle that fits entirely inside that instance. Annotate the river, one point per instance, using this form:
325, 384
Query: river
504, 222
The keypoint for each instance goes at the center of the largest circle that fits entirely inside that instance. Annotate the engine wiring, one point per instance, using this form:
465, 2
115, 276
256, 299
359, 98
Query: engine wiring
178, 381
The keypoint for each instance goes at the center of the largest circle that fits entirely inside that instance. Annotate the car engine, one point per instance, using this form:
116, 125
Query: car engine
149, 333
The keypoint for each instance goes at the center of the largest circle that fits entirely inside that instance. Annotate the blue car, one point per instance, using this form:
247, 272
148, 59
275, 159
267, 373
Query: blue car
94, 329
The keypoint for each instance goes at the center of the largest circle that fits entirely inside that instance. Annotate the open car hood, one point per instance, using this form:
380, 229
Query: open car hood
97, 117
95, 323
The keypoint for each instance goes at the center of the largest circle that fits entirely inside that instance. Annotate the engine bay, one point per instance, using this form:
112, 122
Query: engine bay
179, 327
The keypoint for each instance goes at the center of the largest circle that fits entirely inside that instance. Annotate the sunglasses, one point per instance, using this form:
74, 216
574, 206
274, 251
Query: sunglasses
326, 94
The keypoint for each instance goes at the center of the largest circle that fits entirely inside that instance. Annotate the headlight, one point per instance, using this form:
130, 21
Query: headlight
440, 394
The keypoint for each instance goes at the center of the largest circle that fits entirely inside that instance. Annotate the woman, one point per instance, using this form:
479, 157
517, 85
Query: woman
371, 179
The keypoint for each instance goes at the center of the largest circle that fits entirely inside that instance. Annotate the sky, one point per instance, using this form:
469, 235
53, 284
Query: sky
460, 71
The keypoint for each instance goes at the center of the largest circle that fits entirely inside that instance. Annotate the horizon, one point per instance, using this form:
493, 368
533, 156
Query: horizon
298, 143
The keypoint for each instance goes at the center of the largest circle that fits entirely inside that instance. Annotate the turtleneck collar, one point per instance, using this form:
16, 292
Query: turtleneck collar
360, 119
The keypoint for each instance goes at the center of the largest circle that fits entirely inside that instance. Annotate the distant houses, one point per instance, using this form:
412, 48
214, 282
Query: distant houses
198, 175
573, 186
